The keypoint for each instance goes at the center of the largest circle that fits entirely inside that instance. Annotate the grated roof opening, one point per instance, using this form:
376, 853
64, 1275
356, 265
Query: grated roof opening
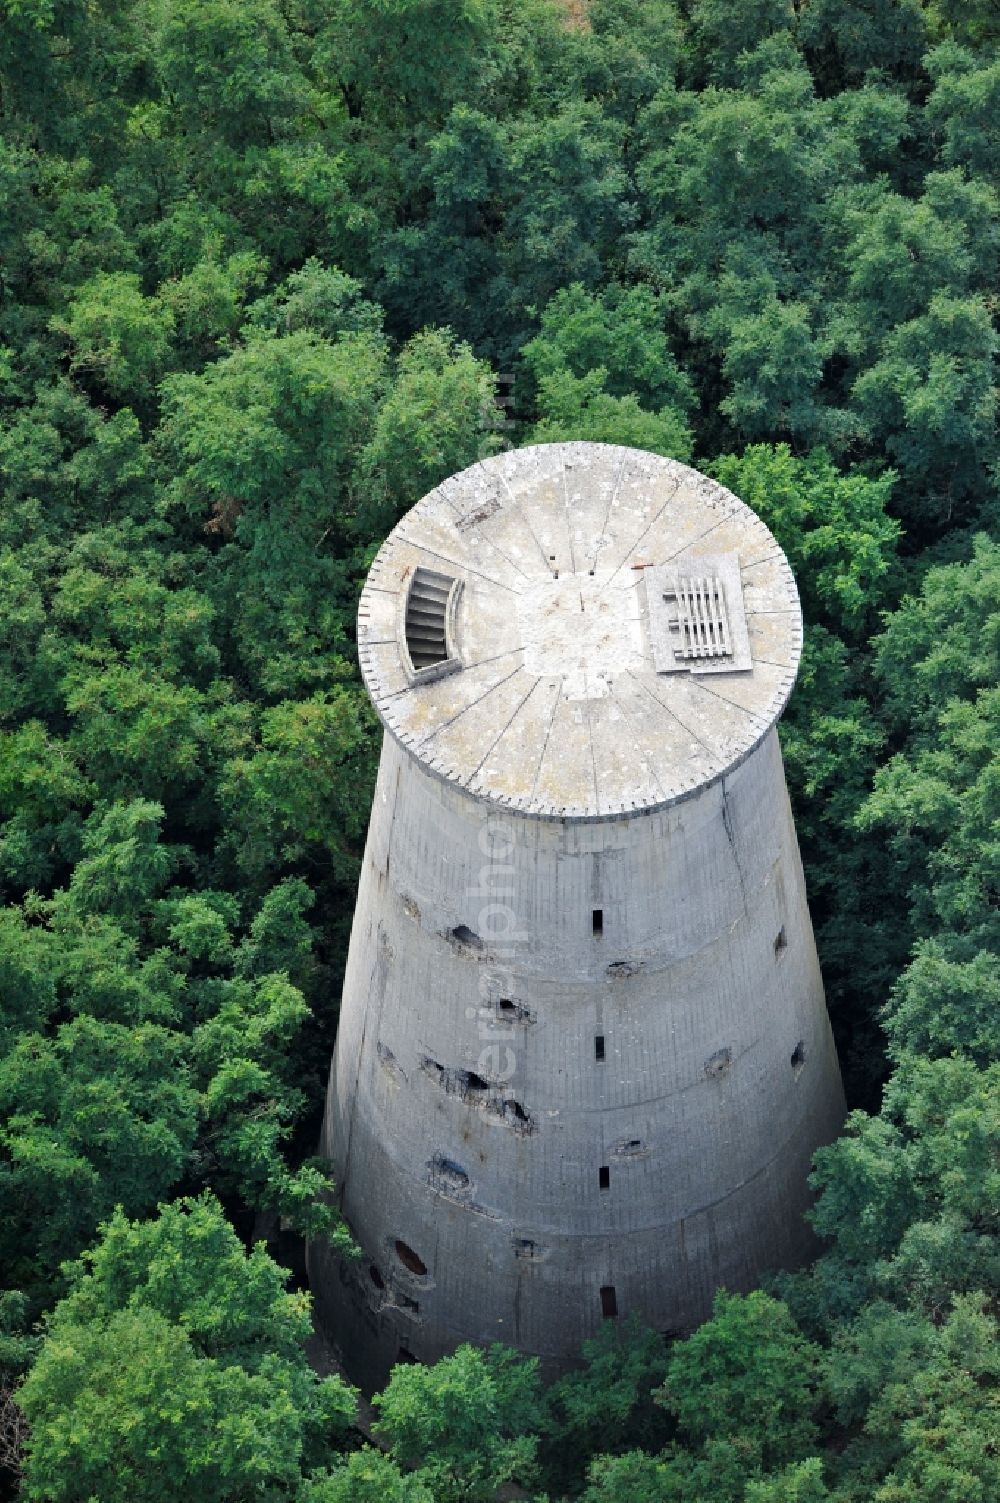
426, 618
702, 620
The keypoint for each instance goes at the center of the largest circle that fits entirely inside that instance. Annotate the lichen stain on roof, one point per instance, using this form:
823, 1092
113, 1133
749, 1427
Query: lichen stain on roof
577, 568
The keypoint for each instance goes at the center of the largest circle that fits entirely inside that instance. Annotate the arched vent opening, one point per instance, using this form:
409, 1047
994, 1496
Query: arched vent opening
410, 1260
427, 618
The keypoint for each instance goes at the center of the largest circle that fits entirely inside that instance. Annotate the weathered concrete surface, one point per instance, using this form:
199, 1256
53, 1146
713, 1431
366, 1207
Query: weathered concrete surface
559, 710
505, 1180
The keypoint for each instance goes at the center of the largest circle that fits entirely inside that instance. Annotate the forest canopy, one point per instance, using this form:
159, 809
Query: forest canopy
269, 271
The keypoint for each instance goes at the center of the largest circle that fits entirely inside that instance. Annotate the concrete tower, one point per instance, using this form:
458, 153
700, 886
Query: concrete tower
584, 1057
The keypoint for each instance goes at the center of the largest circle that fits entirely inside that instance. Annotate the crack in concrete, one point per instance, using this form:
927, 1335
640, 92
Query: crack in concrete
728, 825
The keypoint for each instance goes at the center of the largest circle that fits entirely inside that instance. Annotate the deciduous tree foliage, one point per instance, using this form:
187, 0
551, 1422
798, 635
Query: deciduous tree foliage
464, 1425
176, 1366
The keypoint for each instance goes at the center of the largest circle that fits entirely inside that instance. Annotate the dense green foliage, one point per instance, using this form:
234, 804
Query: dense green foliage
269, 269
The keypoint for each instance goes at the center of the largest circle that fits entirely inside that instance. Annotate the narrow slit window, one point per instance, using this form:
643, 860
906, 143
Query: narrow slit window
609, 1301
599, 1048
598, 921
604, 1177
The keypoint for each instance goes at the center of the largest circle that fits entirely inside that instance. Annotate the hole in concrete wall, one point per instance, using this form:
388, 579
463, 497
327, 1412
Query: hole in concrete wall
631, 1148
389, 1063
448, 1176
780, 942
405, 1302
514, 1012
599, 1047
619, 970
525, 1247
598, 920
436, 1071
719, 1064
798, 1056
604, 1177
411, 908
463, 935
514, 1111
455, 1082
477, 1092
609, 1301
512, 1114
375, 1276
410, 1260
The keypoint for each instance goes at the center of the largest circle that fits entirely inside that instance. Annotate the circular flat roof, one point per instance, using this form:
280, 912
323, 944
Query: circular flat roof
579, 631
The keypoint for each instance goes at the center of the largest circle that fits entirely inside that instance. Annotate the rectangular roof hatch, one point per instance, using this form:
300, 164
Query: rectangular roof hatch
697, 622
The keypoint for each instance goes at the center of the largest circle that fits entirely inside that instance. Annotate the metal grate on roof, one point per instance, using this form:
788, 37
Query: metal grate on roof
702, 622
697, 619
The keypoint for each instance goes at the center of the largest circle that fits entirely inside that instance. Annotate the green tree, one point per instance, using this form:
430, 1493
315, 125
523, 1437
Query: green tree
835, 529
402, 62
306, 786
464, 1426
802, 1482
748, 1377
930, 399
365, 1476
439, 417
117, 335
941, 1423
608, 1405
97, 1115
621, 332
176, 1365
905, 1196
603, 370
719, 34
632, 1478
964, 101
841, 37
229, 70
576, 410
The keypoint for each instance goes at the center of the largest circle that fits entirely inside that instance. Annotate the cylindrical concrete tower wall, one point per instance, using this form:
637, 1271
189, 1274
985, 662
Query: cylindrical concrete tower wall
584, 1060
718, 1077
